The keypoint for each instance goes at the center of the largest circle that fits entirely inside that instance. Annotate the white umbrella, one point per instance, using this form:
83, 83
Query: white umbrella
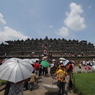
12, 59
62, 58
34, 60
14, 70
27, 61
65, 62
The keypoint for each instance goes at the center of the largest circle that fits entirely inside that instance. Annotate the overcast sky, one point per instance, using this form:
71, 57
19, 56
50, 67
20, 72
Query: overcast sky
69, 19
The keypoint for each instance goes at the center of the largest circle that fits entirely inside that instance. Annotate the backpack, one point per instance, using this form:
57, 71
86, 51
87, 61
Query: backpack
70, 67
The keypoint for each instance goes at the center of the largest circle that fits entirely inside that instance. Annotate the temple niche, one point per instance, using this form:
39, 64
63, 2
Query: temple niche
56, 47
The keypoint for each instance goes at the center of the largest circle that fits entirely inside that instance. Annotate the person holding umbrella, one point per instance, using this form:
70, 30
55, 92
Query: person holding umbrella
13, 88
45, 65
16, 88
59, 65
53, 66
15, 71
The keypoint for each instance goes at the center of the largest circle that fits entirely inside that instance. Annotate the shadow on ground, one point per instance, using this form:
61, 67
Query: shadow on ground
36, 86
51, 93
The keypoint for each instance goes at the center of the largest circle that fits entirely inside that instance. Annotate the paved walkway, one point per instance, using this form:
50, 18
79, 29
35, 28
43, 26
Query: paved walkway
39, 89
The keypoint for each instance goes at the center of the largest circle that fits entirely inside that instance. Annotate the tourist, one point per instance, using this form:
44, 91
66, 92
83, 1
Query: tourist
32, 80
45, 64
53, 67
59, 65
93, 61
45, 53
69, 69
36, 69
6, 88
26, 84
40, 70
45, 71
84, 63
61, 74
87, 62
16, 88
79, 64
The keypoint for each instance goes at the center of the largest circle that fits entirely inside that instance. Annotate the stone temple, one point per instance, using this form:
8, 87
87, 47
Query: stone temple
55, 47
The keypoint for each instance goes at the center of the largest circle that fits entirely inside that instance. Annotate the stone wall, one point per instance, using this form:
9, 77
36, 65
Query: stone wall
55, 47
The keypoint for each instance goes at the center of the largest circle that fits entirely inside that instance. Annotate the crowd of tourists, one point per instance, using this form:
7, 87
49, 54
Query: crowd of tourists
61, 70
86, 63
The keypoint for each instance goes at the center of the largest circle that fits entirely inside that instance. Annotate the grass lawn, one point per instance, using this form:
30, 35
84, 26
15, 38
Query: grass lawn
85, 83
2, 82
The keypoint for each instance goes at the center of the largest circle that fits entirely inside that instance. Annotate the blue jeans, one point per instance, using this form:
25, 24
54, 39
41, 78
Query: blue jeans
61, 86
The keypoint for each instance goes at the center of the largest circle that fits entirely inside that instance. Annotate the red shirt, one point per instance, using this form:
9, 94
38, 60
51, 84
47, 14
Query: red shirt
36, 65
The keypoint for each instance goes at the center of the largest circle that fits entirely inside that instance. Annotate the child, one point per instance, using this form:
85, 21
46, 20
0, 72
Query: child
32, 80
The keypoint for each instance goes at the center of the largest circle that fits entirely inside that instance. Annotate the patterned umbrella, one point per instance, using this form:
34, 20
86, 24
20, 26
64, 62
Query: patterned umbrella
87, 67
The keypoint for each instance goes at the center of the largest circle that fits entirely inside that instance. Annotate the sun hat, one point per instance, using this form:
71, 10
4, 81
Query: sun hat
61, 61
53, 60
